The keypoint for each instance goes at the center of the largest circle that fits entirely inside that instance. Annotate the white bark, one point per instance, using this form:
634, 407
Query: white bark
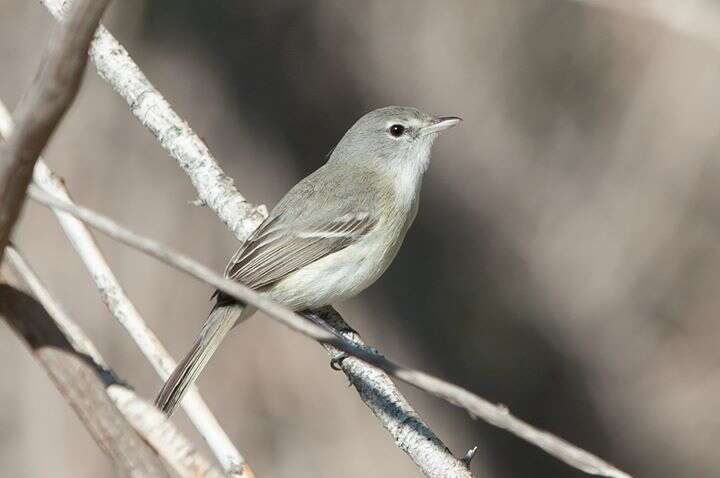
215, 189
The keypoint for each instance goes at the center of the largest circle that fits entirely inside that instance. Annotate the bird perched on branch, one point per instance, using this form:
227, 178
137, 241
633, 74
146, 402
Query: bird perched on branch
332, 235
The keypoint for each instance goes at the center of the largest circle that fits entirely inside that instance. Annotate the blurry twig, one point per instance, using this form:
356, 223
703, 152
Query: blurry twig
694, 18
72, 364
125, 312
478, 407
152, 425
43, 106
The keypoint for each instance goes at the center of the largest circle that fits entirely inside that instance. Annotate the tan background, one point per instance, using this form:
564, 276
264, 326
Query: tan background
565, 260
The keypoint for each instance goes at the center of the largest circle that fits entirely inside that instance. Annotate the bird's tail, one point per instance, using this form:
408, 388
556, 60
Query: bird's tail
216, 327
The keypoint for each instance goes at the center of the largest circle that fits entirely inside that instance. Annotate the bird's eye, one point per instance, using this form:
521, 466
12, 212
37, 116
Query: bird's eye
396, 130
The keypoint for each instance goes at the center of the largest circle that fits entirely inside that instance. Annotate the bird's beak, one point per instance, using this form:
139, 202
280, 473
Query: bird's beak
441, 123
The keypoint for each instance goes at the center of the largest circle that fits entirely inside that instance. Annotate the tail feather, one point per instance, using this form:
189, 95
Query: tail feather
216, 327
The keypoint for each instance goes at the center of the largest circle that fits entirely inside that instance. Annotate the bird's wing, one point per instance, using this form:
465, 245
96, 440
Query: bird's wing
276, 248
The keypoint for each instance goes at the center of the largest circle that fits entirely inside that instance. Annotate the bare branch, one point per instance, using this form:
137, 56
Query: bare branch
43, 106
478, 407
81, 382
128, 316
214, 187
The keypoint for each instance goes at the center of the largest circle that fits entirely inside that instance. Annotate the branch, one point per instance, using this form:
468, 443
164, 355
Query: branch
390, 407
82, 382
146, 420
478, 407
215, 189
76, 337
43, 106
125, 312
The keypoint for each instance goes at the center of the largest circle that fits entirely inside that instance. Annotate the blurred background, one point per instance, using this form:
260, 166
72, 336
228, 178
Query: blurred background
564, 262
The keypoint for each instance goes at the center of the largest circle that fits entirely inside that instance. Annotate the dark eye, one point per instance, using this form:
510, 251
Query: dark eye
396, 130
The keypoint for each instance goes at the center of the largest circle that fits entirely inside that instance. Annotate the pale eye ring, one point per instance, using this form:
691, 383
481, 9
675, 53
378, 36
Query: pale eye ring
396, 130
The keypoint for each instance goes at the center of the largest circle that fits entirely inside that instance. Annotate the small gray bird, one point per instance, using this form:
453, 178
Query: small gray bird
332, 235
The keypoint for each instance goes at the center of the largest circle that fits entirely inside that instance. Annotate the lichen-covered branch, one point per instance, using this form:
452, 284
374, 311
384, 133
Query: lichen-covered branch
215, 189
411, 434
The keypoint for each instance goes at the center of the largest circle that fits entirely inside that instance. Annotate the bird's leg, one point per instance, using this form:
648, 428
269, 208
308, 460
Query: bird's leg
328, 318
331, 321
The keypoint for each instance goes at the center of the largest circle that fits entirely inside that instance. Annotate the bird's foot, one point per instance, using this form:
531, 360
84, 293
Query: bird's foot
336, 362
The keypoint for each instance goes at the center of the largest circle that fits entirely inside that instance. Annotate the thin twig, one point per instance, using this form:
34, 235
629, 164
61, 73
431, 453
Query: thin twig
215, 189
77, 338
478, 407
125, 312
152, 425
81, 382
43, 106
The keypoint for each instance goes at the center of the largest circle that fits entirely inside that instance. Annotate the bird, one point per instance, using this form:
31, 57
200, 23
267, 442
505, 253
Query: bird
332, 235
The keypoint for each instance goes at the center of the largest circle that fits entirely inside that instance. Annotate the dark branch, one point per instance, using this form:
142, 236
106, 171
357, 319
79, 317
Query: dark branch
43, 106
81, 382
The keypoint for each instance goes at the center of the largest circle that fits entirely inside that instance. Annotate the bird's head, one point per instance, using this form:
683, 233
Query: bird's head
396, 138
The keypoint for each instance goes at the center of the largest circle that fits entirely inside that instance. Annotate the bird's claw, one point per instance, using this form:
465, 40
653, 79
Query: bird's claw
336, 362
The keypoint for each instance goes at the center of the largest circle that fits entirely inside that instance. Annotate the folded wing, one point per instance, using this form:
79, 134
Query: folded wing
275, 250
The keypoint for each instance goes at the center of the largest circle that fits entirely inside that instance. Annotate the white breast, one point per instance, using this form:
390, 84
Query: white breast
340, 275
